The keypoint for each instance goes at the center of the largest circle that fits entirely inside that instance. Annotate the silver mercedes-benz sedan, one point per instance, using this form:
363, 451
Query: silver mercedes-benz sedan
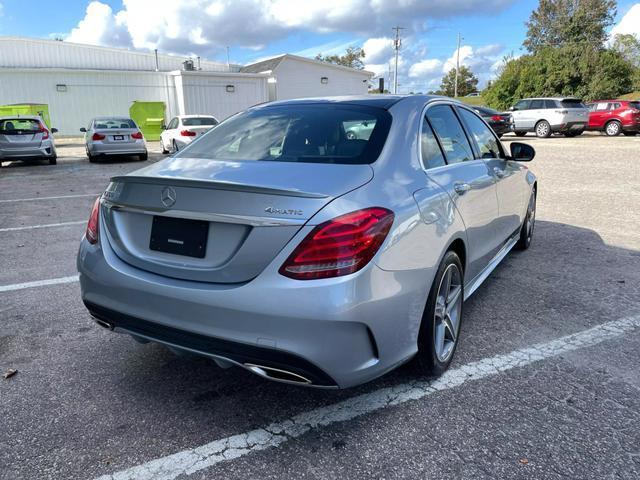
113, 136
280, 244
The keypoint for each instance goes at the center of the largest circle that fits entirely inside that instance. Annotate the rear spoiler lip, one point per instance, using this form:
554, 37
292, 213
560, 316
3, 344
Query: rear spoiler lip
216, 185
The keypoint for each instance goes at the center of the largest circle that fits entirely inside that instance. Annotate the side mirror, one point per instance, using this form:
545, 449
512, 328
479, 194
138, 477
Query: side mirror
163, 127
83, 130
512, 109
54, 130
522, 152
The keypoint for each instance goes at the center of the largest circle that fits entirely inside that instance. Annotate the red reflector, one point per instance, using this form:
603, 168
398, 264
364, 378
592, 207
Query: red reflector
188, 133
98, 136
340, 246
93, 225
137, 135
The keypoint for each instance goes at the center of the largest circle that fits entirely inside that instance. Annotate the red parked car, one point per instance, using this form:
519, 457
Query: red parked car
614, 117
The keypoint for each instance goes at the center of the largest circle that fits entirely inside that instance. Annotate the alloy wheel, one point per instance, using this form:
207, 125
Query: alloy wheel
613, 129
448, 312
542, 130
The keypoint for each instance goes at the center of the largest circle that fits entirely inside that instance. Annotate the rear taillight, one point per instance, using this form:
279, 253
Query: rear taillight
43, 130
496, 118
98, 136
340, 246
137, 135
188, 133
93, 225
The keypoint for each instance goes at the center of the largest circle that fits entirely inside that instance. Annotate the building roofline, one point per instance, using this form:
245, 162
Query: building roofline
310, 60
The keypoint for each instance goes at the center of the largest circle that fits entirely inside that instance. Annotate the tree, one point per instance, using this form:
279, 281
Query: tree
352, 58
561, 22
467, 82
629, 47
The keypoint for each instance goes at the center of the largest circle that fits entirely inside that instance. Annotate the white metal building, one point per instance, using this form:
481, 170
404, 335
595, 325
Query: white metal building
295, 77
79, 82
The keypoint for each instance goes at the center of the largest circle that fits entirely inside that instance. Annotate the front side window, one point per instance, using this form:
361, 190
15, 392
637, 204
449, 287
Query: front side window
320, 133
602, 106
485, 139
431, 154
450, 133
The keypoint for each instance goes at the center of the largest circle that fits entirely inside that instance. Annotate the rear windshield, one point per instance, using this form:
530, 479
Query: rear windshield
635, 105
572, 103
486, 111
19, 124
199, 122
321, 133
114, 123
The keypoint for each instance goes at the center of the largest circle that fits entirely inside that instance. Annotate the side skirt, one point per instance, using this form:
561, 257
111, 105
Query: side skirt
482, 276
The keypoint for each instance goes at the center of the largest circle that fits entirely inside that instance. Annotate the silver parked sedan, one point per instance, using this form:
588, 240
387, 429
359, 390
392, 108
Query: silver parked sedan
279, 244
26, 138
113, 136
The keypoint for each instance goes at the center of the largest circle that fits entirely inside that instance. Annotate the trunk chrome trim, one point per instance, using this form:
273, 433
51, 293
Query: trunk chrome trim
254, 221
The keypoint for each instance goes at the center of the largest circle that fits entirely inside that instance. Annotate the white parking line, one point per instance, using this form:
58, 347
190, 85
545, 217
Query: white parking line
49, 225
38, 283
198, 458
33, 199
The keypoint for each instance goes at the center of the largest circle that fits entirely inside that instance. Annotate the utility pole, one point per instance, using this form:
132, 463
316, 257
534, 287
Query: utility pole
228, 65
455, 86
397, 43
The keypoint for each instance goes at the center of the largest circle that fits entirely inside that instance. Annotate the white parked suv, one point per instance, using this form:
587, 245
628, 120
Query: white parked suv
183, 129
545, 116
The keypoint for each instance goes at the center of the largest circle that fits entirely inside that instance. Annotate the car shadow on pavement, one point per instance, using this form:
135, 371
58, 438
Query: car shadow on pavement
569, 280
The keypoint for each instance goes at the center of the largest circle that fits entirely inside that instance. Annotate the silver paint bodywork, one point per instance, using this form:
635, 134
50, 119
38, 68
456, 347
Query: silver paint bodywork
109, 146
354, 327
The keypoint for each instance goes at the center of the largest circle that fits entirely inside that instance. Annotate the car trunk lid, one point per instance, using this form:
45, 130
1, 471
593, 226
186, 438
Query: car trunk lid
239, 214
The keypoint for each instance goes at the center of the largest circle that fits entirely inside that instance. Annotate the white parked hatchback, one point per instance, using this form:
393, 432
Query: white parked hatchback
183, 129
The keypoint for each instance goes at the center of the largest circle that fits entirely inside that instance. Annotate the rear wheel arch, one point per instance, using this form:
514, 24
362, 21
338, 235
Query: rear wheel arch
460, 249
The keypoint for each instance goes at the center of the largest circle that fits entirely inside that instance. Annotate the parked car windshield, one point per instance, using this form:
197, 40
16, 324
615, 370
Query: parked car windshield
199, 121
321, 133
10, 125
114, 123
573, 103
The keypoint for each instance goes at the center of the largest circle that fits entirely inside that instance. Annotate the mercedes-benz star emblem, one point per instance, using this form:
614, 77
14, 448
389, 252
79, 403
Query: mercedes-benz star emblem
168, 196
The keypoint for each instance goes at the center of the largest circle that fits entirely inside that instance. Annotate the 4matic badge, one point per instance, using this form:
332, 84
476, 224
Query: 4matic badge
283, 211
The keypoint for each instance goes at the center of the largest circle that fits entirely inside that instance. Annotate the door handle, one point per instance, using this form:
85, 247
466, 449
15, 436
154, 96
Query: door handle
461, 188
498, 172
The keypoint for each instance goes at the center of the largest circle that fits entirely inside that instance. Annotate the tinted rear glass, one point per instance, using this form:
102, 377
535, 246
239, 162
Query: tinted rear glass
572, 103
199, 122
322, 133
114, 123
484, 111
19, 124
635, 105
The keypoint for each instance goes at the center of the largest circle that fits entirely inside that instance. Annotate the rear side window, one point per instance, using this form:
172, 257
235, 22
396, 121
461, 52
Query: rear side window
431, 154
320, 133
199, 122
550, 104
485, 139
173, 124
602, 106
572, 103
450, 133
11, 125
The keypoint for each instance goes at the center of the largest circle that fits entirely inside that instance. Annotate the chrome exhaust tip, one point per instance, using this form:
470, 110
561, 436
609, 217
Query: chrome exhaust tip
277, 374
103, 323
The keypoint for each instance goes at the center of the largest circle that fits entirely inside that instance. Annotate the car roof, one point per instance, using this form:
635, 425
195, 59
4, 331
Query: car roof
379, 101
111, 117
195, 116
560, 99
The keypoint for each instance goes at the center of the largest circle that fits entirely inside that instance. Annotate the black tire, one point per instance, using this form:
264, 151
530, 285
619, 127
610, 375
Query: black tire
520, 133
543, 129
53, 160
629, 134
573, 133
528, 226
164, 150
427, 361
613, 128
143, 157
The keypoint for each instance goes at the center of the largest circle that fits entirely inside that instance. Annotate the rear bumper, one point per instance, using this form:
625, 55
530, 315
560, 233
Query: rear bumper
569, 127
335, 332
44, 151
137, 148
631, 127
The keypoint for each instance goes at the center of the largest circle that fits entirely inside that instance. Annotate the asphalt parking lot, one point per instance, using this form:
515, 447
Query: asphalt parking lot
545, 383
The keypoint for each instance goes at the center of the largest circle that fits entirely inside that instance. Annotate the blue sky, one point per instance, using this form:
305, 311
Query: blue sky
256, 29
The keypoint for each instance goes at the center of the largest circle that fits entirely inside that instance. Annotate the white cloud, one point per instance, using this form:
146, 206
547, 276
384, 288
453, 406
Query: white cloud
100, 27
206, 27
378, 50
629, 24
425, 68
